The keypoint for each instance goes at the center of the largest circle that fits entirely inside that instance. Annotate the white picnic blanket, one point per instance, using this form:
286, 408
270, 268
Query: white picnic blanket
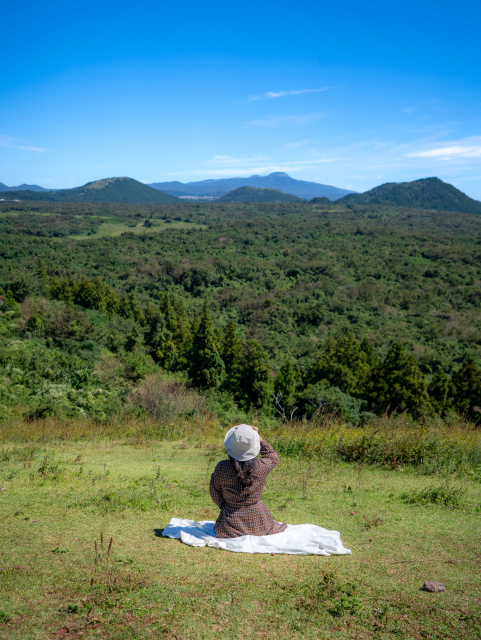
297, 539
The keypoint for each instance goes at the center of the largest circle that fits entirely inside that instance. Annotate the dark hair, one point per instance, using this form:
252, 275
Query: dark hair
244, 470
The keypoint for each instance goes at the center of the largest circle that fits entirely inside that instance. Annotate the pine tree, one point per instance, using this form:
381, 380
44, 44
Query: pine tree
439, 391
231, 347
467, 389
182, 333
254, 377
178, 335
40, 269
9, 301
136, 312
368, 349
285, 384
343, 363
129, 307
397, 384
206, 365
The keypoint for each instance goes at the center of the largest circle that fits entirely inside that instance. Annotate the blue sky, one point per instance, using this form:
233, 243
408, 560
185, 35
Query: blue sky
352, 95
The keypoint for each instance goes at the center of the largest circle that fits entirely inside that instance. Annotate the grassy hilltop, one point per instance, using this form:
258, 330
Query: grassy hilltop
82, 551
429, 193
119, 190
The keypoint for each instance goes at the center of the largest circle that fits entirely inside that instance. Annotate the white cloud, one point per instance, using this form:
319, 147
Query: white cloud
467, 148
283, 94
10, 143
276, 121
246, 166
409, 110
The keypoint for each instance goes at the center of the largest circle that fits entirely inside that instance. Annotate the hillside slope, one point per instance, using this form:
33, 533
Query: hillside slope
428, 193
108, 190
277, 180
253, 194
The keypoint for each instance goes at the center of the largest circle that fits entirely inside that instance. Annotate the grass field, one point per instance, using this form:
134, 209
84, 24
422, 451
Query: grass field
58, 499
113, 228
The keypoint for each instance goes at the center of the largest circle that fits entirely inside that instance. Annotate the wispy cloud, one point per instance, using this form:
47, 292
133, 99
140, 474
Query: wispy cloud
467, 148
409, 110
231, 160
277, 121
11, 143
230, 166
295, 145
283, 94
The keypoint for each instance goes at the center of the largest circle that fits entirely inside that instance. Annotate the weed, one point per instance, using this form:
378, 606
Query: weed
337, 597
4, 617
444, 495
305, 476
49, 470
109, 578
370, 523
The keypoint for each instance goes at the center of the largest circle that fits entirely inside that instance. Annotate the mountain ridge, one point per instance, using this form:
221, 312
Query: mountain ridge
277, 180
21, 187
426, 193
121, 189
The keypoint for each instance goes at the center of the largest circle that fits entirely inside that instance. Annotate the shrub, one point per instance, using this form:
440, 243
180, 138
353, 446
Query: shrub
164, 398
444, 494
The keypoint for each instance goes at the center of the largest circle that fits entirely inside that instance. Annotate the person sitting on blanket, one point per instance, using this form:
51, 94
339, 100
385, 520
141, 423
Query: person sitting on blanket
237, 483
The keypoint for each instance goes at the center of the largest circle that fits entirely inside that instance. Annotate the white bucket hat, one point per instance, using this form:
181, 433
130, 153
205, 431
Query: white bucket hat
242, 442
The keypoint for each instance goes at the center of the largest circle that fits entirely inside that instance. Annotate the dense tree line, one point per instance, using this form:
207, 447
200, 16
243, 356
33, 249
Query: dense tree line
285, 308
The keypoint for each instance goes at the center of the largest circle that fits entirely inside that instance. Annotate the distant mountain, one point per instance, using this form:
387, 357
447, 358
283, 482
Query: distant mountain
22, 187
277, 180
428, 193
108, 190
253, 194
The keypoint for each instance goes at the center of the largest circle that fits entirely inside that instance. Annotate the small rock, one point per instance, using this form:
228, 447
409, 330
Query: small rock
352, 513
371, 539
433, 587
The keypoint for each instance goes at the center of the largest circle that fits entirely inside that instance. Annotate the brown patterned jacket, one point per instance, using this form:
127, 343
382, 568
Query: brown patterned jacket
242, 512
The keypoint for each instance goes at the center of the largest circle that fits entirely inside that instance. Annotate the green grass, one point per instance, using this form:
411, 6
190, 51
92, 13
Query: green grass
113, 229
59, 498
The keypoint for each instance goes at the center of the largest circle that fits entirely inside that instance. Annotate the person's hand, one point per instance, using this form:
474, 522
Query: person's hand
256, 429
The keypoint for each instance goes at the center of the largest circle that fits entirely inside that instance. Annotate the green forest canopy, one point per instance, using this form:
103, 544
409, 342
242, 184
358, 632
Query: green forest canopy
358, 308
255, 194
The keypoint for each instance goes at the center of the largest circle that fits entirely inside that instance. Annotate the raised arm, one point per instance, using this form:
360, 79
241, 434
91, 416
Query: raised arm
269, 457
